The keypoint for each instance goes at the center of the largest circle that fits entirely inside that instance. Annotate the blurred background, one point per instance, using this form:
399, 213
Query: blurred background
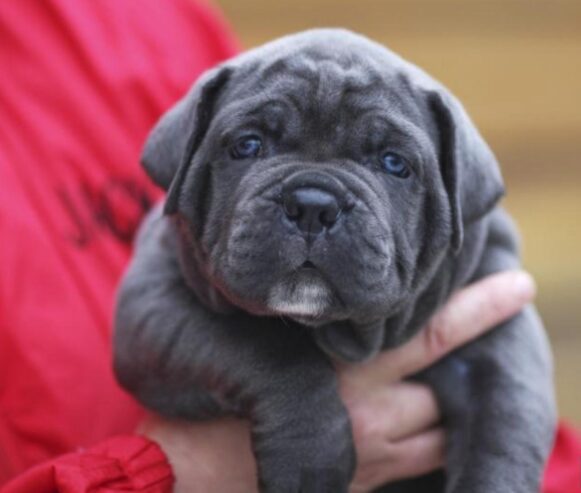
516, 66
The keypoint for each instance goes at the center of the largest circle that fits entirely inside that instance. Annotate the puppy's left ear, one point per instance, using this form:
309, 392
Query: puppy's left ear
469, 169
174, 140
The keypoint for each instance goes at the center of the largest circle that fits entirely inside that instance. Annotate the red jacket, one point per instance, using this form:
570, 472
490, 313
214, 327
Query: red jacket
81, 83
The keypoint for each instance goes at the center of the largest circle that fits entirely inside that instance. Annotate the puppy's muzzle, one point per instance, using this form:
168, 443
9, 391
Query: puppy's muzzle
313, 202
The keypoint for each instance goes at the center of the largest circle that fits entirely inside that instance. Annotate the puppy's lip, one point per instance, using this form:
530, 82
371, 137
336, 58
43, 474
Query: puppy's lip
308, 265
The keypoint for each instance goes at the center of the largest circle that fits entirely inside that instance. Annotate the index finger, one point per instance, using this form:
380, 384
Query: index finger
468, 314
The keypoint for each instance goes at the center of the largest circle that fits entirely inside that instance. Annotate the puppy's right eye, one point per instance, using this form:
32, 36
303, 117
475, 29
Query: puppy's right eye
246, 147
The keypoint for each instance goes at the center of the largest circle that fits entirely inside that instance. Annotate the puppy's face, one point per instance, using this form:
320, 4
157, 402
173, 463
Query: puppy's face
317, 189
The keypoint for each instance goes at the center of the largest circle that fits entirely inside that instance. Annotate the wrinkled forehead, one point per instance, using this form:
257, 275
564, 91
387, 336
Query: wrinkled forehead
324, 86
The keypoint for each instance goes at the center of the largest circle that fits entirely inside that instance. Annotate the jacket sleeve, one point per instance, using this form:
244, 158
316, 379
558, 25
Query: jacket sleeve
563, 472
120, 464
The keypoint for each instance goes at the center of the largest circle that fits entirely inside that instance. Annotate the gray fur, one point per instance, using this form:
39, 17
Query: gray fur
217, 315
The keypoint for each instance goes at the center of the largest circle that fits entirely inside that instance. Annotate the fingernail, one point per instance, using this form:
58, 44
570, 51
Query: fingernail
524, 285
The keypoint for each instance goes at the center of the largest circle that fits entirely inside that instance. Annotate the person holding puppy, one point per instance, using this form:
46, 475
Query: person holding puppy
86, 82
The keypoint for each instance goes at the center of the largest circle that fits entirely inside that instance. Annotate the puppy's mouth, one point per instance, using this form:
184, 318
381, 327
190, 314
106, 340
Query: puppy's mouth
304, 296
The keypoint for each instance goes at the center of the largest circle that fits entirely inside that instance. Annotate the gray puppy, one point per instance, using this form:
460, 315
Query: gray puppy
325, 197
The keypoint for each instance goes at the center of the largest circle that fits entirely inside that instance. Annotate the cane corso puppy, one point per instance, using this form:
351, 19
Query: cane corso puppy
325, 197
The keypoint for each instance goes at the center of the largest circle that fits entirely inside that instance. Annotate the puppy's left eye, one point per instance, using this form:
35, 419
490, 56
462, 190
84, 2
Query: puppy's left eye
246, 147
395, 165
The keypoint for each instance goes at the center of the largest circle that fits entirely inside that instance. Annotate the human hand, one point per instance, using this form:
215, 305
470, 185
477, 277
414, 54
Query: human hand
395, 423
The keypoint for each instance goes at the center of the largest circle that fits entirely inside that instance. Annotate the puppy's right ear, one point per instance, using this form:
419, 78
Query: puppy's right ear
174, 140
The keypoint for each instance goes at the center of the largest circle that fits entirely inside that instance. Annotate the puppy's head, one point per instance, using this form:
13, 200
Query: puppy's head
321, 178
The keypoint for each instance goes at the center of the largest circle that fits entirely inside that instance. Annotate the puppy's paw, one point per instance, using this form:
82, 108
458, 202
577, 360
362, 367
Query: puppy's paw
307, 456
294, 475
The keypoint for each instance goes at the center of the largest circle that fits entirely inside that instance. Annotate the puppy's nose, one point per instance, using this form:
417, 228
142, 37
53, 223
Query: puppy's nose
311, 209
